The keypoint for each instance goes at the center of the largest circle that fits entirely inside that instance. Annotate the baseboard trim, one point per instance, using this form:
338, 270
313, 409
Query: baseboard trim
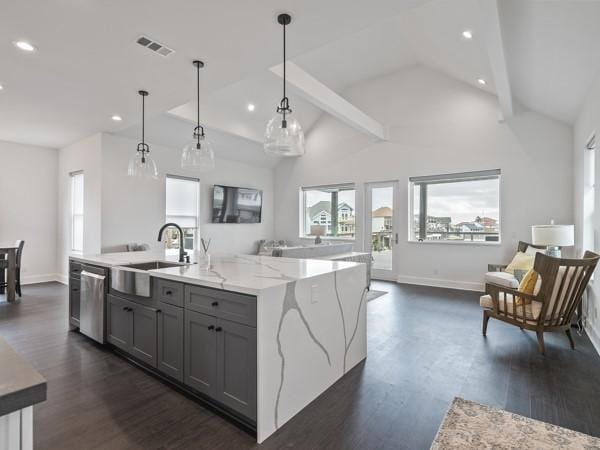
593, 335
35, 279
434, 282
62, 278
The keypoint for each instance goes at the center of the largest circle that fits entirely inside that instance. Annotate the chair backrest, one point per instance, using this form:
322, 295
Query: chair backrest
563, 283
19, 244
522, 247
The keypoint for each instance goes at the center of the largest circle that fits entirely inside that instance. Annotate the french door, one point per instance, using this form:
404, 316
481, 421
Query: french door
381, 228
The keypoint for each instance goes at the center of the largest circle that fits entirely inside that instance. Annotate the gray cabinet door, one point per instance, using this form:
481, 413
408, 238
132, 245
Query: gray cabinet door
170, 341
143, 333
74, 297
200, 358
236, 367
118, 324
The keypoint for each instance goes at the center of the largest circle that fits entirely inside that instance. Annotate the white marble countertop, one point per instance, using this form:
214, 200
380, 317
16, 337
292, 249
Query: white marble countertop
247, 274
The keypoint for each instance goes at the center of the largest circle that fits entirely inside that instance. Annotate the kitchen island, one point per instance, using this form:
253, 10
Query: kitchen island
284, 330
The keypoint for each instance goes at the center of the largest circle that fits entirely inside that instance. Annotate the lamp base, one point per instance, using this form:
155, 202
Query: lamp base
318, 240
553, 251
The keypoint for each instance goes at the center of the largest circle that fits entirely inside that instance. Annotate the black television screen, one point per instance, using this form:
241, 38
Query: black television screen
236, 205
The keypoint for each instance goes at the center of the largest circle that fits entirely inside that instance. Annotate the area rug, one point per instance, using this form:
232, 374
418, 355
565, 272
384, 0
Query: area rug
469, 425
372, 295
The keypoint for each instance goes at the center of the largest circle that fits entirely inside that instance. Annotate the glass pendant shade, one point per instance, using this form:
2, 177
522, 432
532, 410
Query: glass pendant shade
198, 156
284, 141
142, 166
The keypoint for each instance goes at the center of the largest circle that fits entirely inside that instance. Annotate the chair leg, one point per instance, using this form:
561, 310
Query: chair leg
570, 339
486, 318
540, 338
18, 286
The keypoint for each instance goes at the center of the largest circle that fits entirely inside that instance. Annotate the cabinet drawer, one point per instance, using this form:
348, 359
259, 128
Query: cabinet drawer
227, 305
75, 269
168, 291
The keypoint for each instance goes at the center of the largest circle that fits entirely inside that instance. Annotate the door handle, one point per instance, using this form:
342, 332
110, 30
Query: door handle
396, 240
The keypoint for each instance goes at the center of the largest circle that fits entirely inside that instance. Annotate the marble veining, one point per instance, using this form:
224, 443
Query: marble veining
290, 303
337, 296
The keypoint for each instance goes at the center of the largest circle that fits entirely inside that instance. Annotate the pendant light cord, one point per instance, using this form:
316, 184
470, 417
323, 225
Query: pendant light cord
143, 120
198, 101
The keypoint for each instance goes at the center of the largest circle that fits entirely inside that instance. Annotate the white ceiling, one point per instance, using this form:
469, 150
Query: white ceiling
88, 66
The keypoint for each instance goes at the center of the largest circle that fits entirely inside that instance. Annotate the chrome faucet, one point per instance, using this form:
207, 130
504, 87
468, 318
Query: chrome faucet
183, 256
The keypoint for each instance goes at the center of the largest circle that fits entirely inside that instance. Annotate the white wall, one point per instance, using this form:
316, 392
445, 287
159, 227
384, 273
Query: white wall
588, 123
28, 200
438, 125
133, 210
86, 156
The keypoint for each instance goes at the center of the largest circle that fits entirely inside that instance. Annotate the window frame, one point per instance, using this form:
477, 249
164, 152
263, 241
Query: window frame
196, 230
449, 178
304, 220
73, 176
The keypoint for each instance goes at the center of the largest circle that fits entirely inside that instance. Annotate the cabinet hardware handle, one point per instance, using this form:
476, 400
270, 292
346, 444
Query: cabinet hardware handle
125, 308
158, 311
211, 327
215, 303
218, 329
168, 293
75, 289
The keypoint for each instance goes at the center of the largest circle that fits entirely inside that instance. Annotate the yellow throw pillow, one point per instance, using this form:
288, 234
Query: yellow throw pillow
527, 286
521, 261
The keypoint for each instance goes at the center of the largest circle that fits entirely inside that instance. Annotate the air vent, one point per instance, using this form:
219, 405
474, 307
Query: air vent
157, 47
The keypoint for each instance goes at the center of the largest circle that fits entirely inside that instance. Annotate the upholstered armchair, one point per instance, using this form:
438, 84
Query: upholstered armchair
549, 308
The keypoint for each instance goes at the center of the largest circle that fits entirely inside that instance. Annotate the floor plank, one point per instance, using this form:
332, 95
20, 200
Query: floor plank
424, 348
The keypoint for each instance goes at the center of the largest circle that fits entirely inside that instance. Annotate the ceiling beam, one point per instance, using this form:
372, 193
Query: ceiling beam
495, 49
326, 99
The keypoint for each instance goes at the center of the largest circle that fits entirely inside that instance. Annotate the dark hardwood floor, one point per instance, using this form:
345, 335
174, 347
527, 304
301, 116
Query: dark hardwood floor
425, 347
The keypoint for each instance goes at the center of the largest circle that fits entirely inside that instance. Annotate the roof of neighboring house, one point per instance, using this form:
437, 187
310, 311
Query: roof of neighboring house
384, 211
325, 206
471, 226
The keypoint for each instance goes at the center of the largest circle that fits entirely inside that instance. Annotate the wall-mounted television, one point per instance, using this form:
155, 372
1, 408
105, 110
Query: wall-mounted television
236, 205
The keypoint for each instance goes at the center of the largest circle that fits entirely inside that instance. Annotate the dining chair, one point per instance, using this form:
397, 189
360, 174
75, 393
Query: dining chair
4, 266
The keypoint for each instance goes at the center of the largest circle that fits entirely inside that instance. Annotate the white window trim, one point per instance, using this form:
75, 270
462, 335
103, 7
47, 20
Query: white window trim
72, 176
461, 176
302, 211
197, 216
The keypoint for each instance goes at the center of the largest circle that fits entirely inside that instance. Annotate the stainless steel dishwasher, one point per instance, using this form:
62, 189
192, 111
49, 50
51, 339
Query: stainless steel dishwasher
92, 303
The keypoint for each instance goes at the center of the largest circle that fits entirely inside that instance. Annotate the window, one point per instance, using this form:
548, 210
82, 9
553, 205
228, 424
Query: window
332, 206
589, 194
462, 207
77, 211
182, 208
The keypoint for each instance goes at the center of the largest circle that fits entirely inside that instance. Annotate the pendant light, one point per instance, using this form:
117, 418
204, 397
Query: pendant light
141, 164
284, 136
198, 154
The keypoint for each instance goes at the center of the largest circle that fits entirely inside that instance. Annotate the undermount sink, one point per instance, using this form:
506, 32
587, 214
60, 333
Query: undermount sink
134, 279
153, 265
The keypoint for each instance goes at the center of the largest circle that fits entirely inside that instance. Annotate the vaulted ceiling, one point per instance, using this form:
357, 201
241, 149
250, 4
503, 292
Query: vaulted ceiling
88, 67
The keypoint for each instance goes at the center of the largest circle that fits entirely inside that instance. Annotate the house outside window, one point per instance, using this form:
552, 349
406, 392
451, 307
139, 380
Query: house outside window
182, 208
77, 193
461, 207
332, 206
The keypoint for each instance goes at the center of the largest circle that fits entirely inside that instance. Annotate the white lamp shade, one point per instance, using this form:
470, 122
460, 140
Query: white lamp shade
317, 230
553, 235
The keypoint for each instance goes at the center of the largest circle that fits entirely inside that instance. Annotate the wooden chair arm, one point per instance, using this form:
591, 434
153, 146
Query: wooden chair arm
496, 289
496, 267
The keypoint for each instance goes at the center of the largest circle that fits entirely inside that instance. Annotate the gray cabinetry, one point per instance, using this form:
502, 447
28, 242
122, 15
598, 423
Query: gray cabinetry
74, 300
118, 325
132, 328
200, 352
143, 333
168, 291
236, 367
170, 341
226, 305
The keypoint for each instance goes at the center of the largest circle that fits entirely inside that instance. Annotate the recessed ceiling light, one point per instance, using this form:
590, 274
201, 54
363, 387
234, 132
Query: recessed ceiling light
467, 34
116, 118
25, 46
251, 107
481, 81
